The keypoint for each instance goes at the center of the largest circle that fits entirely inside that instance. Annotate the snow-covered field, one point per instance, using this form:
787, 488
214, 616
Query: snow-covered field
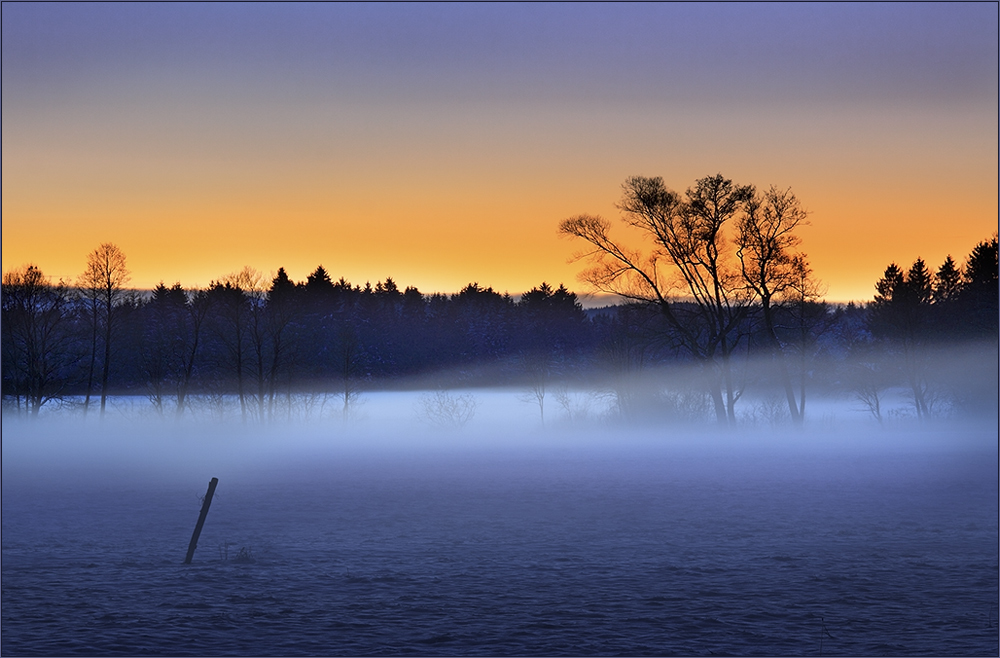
399, 531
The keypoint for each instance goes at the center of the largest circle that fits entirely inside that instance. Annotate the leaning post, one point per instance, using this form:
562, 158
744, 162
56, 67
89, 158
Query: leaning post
201, 520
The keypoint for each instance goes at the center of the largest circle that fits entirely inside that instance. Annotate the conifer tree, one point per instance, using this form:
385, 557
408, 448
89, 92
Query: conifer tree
319, 281
947, 282
980, 289
918, 284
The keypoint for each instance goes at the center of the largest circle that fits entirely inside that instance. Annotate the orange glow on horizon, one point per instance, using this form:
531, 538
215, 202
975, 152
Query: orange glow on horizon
505, 248
423, 231
437, 195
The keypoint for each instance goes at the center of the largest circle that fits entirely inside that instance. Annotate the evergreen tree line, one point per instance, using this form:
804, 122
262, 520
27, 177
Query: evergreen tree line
914, 310
264, 341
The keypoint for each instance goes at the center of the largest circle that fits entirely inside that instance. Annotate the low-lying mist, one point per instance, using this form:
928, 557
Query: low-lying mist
458, 522
442, 430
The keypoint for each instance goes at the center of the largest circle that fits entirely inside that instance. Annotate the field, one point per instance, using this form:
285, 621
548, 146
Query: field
386, 535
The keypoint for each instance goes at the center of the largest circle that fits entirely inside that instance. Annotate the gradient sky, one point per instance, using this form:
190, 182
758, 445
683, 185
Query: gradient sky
442, 144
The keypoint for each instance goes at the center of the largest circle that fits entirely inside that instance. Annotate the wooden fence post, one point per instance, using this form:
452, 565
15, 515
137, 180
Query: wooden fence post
201, 520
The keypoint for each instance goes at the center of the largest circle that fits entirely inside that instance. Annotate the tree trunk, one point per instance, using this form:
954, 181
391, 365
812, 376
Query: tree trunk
93, 362
107, 359
727, 375
779, 355
718, 402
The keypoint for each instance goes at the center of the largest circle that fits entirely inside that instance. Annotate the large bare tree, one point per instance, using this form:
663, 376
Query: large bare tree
690, 273
704, 288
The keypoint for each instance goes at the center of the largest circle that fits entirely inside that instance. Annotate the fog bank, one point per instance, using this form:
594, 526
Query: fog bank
391, 432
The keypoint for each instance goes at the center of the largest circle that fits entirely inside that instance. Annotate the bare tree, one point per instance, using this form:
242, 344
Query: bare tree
37, 341
198, 307
103, 283
538, 367
89, 293
689, 238
770, 267
348, 354
239, 325
253, 285
810, 318
868, 385
444, 411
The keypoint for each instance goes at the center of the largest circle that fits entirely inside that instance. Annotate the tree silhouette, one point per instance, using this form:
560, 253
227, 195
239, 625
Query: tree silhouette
38, 348
348, 358
979, 289
197, 310
282, 287
689, 235
724, 272
551, 322
104, 283
947, 283
918, 283
900, 316
162, 349
912, 310
771, 268
237, 324
319, 281
282, 309
482, 320
808, 319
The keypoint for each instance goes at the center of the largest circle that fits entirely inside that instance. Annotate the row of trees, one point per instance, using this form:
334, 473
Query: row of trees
724, 281
260, 339
46, 326
916, 308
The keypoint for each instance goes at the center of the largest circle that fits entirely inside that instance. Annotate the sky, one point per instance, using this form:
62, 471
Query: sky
442, 144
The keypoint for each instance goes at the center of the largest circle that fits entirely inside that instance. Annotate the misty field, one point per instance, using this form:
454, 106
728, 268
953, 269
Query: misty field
419, 528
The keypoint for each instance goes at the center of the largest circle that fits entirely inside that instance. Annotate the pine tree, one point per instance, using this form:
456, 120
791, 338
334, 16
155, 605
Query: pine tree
918, 284
980, 289
281, 285
947, 282
884, 309
319, 281
981, 267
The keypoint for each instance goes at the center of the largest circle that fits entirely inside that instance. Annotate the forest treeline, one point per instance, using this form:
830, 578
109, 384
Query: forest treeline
749, 299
